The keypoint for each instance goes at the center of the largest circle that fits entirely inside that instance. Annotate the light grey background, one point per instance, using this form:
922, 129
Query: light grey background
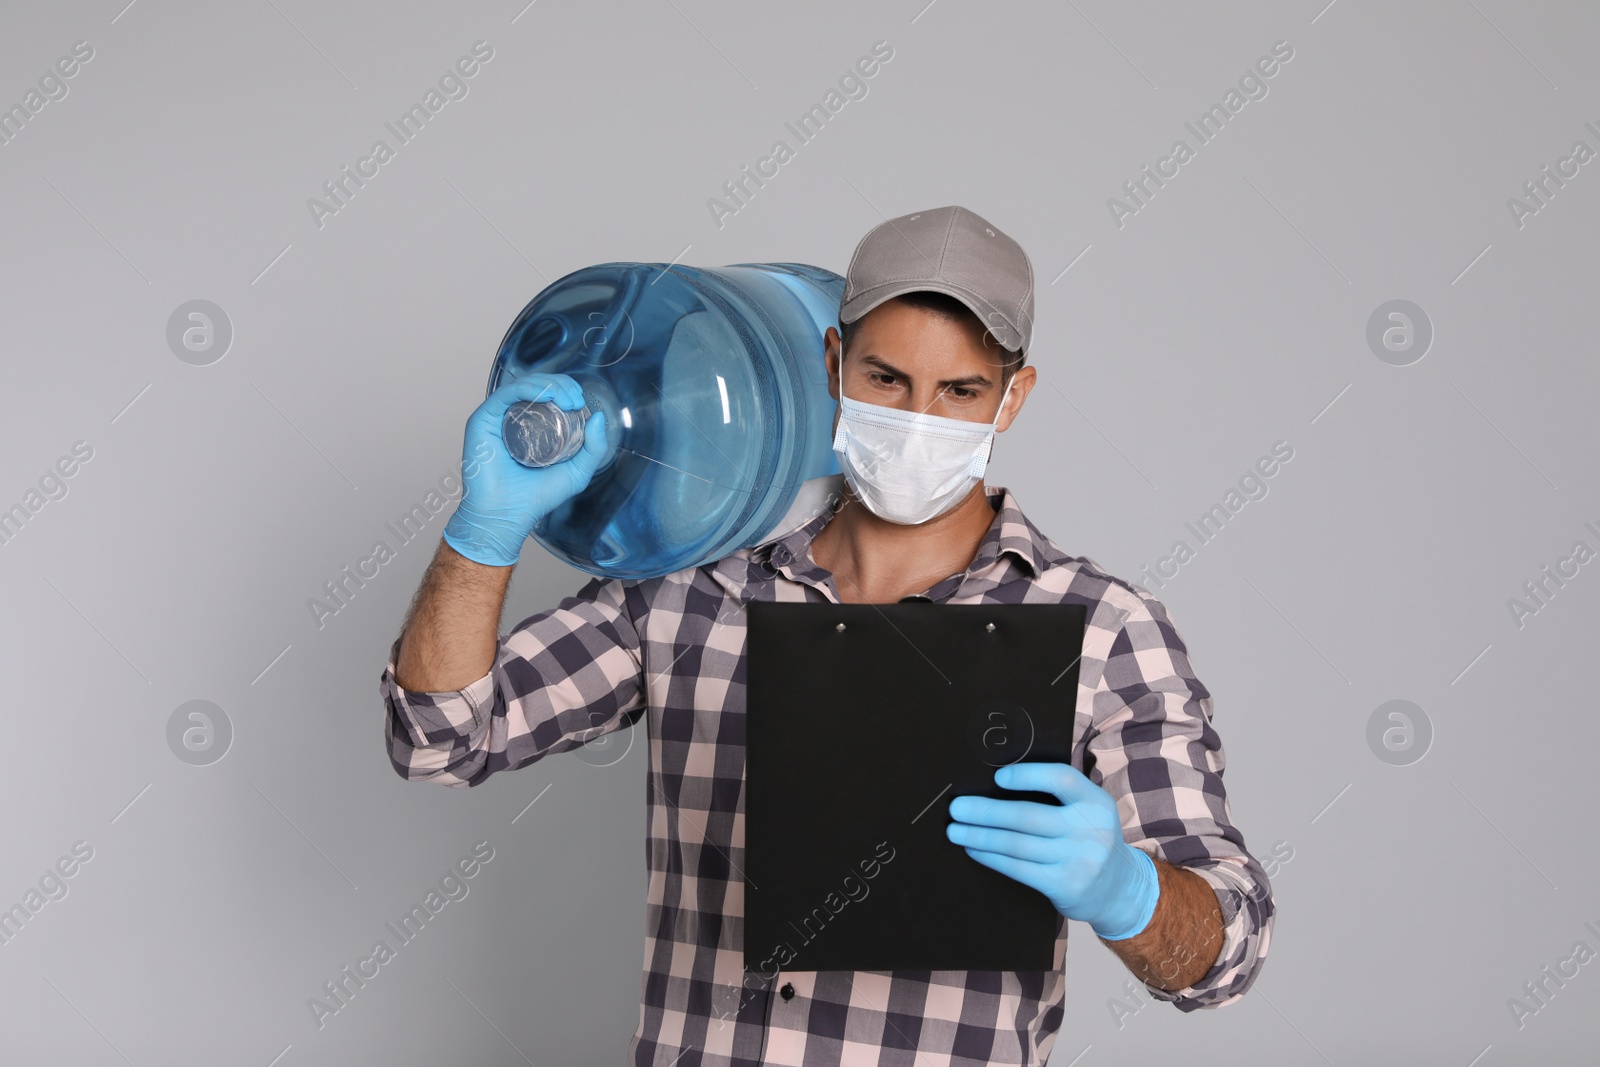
1229, 313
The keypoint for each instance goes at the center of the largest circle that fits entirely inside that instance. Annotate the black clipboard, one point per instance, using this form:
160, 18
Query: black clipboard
862, 722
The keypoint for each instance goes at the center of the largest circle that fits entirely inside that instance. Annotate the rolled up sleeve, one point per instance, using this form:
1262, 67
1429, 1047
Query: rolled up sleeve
560, 679
1155, 751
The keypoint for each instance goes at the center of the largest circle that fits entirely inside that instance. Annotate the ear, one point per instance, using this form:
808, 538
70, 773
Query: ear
1022, 384
830, 359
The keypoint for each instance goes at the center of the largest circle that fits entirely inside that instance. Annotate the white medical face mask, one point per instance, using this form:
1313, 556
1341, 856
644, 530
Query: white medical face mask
908, 467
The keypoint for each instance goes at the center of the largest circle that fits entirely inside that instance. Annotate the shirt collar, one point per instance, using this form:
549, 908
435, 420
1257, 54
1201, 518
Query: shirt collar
1011, 534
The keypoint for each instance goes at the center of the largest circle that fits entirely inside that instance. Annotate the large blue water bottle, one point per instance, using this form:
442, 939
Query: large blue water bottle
716, 407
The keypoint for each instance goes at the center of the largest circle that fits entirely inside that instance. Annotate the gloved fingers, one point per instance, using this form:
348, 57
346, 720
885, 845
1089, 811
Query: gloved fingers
1036, 875
579, 469
566, 393
1019, 846
592, 453
1026, 816
1062, 780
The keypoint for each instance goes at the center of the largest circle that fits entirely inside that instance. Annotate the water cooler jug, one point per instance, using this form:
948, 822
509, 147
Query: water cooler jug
716, 406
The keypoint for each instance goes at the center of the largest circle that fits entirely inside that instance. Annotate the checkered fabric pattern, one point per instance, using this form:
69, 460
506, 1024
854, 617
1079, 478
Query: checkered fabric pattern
671, 651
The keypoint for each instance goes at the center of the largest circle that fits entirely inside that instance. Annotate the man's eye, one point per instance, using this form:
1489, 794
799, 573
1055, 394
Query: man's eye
883, 379
962, 394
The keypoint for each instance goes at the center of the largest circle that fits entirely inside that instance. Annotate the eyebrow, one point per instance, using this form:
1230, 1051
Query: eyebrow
946, 383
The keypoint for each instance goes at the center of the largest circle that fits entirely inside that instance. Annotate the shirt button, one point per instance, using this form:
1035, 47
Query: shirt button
787, 992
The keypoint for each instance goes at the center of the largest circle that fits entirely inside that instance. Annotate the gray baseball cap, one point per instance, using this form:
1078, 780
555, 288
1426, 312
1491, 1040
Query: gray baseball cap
948, 250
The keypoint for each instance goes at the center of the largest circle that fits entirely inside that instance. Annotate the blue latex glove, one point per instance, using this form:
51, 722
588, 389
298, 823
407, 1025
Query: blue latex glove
500, 498
1073, 854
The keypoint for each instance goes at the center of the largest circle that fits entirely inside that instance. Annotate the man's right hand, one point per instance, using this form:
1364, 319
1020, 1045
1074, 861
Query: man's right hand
500, 498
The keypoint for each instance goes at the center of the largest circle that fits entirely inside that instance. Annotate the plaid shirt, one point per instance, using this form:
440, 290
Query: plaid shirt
671, 650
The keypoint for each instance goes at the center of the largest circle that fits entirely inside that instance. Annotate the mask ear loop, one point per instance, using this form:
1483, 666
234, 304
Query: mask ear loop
839, 434
997, 411
980, 460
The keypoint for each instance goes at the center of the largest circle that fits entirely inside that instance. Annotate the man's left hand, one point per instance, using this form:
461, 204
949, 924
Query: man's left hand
1073, 854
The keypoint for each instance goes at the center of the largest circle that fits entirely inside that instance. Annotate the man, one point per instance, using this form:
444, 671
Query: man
937, 311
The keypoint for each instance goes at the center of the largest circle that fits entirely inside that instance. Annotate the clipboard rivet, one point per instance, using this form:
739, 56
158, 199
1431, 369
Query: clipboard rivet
989, 626
839, 626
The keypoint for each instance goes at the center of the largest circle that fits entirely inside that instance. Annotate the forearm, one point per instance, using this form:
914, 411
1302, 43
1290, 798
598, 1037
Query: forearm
1184, 936
451, 634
